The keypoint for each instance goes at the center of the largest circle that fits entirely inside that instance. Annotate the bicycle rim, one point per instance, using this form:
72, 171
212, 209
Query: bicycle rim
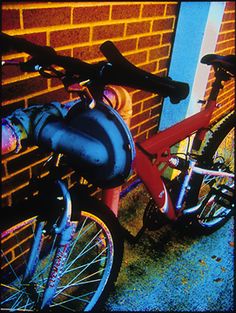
215, 208
83, 279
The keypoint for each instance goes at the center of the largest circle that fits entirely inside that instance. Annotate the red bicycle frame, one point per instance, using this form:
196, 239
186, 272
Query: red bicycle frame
156, 151
153, 156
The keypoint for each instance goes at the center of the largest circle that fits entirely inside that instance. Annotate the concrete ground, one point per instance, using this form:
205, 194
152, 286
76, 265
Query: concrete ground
171, 271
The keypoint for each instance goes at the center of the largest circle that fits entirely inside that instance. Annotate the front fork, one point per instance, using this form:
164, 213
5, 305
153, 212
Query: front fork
64, 230
58, 264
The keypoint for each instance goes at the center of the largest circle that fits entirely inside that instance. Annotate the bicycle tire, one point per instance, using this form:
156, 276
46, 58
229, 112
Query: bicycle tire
218, 153
98, 233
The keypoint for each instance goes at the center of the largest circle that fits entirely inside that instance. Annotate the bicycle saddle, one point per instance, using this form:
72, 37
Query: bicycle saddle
227, 62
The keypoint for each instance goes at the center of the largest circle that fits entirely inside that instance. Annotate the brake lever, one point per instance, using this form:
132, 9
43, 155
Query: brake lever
83, 92
50, 72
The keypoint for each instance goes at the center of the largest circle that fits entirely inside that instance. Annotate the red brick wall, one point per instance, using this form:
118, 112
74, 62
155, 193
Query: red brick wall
143, 31
225, 45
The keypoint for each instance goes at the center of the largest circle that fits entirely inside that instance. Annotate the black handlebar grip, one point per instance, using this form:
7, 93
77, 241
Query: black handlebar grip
45, 56
22, 45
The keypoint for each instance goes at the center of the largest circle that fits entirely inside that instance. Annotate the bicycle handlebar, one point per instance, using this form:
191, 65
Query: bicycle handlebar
121, 71
118, 70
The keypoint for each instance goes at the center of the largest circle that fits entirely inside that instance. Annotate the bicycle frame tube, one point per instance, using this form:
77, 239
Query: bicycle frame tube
159, 146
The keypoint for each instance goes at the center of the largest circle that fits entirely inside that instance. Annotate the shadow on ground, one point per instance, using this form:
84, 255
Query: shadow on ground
169, 270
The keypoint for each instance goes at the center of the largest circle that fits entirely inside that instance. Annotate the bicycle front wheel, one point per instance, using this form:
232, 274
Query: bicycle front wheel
91, 268
215, 194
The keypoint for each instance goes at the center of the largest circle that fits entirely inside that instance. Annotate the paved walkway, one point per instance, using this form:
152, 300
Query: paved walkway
168, 271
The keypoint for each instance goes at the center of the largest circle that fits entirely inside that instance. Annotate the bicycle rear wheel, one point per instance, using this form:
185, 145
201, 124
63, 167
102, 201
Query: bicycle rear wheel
91, 268
215, 194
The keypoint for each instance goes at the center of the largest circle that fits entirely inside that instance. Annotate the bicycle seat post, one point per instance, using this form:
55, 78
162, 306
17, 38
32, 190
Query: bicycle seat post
220, 76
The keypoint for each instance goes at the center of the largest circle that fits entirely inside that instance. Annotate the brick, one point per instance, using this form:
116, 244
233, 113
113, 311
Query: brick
108, 31
230, 5
87, 52
139, 95
65, 52
149, 41
151, 102
21, 194
139, 118
90, 14
139, 57
227, 26
21, 236
125, 11
22, 248
153, 10
56, 95
55, 82
69, 36
149, 67
25, 160
224, 45
171, 9
136, 108
11, 71
162, 73
138, 28
159, 52
225, 36
140, 138
155, 111
152, 122
152, 131
3, 170
5, 260
134, 131
126, 44
163, 24
228, 16
46, 17
37, 168
167, 38
23, 88
10, 184
37, 38
5, 201
10, 19
163, 64
221, 37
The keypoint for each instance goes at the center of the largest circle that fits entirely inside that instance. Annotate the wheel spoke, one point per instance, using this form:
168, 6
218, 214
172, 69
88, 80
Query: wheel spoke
223, 160
87, 268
